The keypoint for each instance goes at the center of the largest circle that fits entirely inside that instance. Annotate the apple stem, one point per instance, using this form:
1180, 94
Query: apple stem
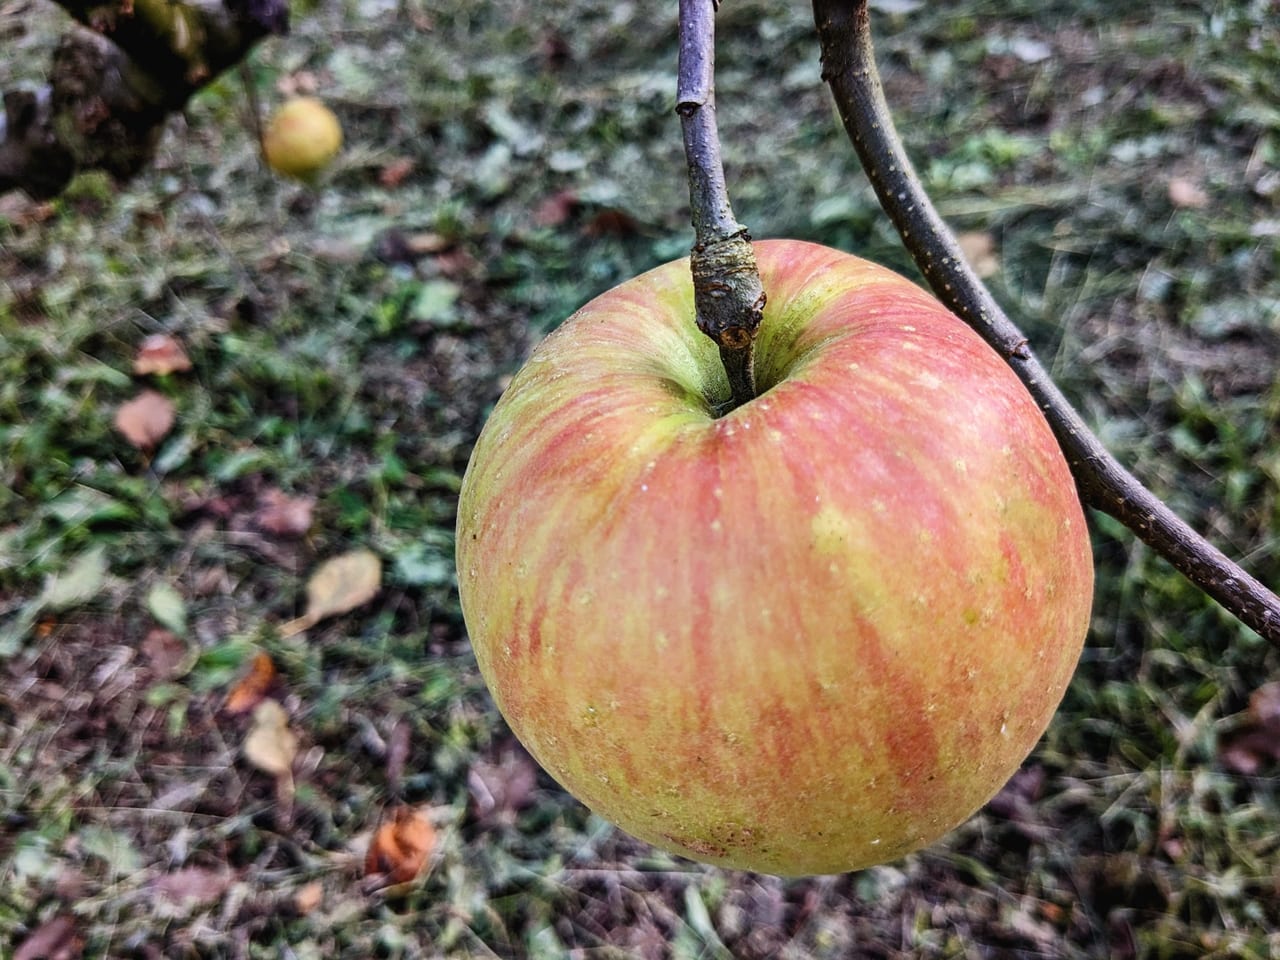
727, 293
849, 67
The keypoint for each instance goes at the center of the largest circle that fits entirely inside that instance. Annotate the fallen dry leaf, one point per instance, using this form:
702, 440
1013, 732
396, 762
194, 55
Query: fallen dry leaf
338, 586
503, 785
611, 222
194, 883
396, 246
556, 209
55, 939
19, 209
1264, 705
166, 653
160, 354
1187, 194
304, 81
400, 846
308, 897
146, 419
1257, 740
251, 689
979, 249
282, 515
393, 173
270, 745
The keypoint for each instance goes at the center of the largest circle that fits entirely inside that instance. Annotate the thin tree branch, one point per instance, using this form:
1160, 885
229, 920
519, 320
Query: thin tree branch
849, 67
728, 296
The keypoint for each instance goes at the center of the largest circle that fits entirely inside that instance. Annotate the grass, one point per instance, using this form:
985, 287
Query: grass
544, 166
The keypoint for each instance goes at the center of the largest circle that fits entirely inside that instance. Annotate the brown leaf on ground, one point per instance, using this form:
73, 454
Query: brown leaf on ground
394, 173
556, 209
401, 846
55, 939
1187, 194
338, 586
611, 222
282, 515
1264, 705
555, 50
160, 354
396, 246
19, 209
308, 898
251, 689
199, 884
166, 653
303, 81
1257, 741
979, 249
270, 745
502, 786
146, 419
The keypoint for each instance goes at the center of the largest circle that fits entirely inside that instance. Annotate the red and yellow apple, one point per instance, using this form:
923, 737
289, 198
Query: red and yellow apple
805, 636
301, 138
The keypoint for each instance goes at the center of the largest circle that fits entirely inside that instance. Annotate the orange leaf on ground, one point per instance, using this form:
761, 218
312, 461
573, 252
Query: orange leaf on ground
401, 846
146, 419
252, 688
160, 354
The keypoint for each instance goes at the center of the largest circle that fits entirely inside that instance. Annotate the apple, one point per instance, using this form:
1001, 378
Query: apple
302, 137
804, 636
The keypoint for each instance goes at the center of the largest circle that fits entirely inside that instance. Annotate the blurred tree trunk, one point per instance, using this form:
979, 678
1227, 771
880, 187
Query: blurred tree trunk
115, 77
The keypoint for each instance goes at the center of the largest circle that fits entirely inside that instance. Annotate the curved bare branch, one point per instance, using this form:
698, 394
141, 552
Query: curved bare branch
849, 67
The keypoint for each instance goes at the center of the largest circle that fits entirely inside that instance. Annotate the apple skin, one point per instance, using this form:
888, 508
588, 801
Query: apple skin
301, 139
805, 637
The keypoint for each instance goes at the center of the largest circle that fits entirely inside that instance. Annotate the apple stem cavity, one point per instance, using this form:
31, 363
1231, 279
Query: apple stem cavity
727, 293
849, 68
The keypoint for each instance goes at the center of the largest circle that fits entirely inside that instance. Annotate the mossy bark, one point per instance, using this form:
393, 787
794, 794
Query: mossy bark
114, 79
